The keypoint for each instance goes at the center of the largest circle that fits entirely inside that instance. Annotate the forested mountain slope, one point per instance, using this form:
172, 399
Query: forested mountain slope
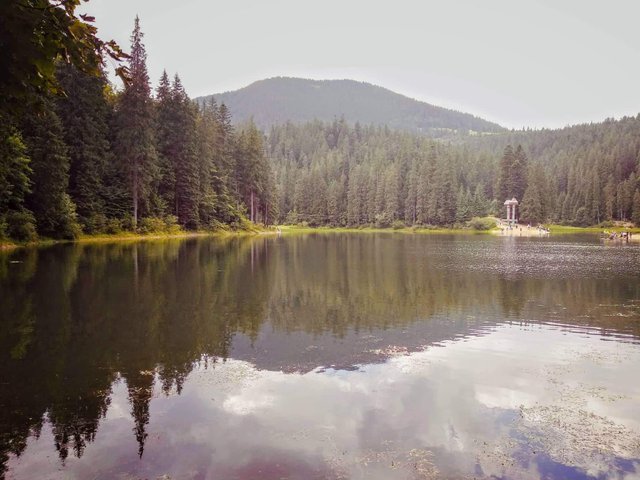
278, 100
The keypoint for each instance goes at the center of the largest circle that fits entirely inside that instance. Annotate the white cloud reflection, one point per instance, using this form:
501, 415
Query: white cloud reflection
519, 401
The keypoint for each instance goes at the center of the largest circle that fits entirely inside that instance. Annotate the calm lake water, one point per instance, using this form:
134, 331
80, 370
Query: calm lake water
327, 356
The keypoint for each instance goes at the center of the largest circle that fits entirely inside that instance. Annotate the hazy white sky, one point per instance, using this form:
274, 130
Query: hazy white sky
519, 63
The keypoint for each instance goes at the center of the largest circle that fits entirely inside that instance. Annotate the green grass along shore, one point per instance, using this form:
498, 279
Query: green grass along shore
554, 229
131, 237
292, 230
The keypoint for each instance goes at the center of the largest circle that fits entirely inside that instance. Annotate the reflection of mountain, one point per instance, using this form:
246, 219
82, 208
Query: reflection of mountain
76, 318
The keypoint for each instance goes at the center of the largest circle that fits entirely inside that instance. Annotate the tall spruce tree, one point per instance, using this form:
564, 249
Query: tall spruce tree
505, 175
183, 148
532, 210
209, 179
635, 218
226, 148
51, 205
519, 173
135, 142
214, 137
164, 135
15, 220
251, 175
85, 114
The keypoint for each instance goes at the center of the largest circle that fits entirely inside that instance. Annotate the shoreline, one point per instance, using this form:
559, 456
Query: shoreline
292, 229
533, 231
7, 245
128, 237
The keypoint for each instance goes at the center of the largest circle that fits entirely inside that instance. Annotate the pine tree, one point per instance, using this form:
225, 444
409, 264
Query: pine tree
51, 205
464, 206
425, 200
251, 171
177, 143
220, 132
15, 220
335, 198
14, 170
445, 194
135, 142
85, 115
505, 176
226, 146
480, 205
354, 197
531, 210
187, 166
164, 132
410, 203
519, 173
392, 189
209, 180
636, 208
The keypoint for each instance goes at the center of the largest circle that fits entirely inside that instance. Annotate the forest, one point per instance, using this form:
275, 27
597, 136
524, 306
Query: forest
80, 156
335, 174
85, 158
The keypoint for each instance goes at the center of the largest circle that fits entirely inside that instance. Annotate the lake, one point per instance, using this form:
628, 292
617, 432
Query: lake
322, 356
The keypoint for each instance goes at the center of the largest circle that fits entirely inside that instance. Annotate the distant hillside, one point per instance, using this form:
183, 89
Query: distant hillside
278, 100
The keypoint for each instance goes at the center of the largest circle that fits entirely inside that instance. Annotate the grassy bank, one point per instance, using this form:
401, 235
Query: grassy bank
294, 229
554, 229
133, 237
565, 229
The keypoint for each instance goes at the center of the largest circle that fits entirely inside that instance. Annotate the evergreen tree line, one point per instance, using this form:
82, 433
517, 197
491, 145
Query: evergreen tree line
580, 175
95, 160
335, 174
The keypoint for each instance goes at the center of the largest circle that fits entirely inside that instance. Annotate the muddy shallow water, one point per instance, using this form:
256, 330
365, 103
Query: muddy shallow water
332, 356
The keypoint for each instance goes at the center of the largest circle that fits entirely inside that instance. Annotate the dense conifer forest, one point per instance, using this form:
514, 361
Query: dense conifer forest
84, 157
335, 174
79, 156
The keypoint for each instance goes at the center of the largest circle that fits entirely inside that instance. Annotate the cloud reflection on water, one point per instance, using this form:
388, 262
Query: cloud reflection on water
482, 406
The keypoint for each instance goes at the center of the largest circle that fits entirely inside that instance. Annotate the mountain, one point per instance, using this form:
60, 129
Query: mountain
277, 100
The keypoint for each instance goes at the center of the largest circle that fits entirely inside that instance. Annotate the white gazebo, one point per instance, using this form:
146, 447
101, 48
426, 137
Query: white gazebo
512, 210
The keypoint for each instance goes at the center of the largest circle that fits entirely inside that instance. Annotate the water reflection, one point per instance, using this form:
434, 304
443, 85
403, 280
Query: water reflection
95, 335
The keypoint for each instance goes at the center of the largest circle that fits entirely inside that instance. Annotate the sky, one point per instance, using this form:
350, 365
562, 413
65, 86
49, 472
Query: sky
521, 64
